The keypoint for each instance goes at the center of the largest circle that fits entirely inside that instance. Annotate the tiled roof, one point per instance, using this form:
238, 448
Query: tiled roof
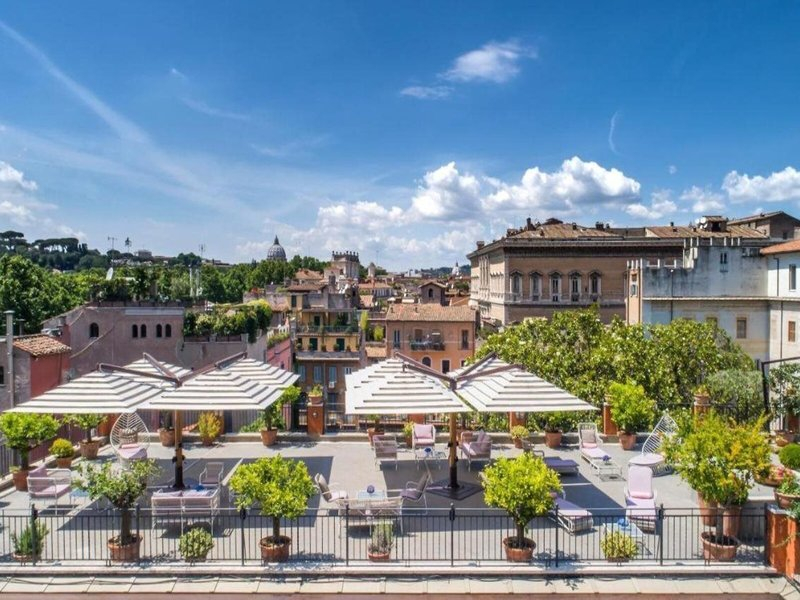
790, 246
40, 344
731, 231
306, 274
305, 287
373, 285
430, 312
375, 351
459, 301
562, 231
758, 217
432, 282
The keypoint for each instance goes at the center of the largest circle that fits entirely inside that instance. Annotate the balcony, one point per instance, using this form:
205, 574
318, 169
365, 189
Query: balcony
425, 345
304, 329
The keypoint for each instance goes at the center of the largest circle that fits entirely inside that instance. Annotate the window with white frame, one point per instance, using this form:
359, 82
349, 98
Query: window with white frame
792, 277
555, 287
575, 287
536, 286
516, 284
594, 285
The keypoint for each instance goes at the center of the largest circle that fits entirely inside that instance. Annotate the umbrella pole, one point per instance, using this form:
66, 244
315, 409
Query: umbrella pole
178, 459
453, 457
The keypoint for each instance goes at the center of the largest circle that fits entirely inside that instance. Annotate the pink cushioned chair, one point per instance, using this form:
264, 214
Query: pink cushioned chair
475, 446
640, 498
590, 445
423, 435
49, 484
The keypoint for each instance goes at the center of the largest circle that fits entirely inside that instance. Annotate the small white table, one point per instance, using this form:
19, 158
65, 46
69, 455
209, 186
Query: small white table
364, 495
606, 469
429, 453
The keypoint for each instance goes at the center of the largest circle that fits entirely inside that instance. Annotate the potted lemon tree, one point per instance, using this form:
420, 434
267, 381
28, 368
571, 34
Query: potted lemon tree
63, 450
281, 488
524, 488
23, 432
209, 427
272, 419
87, 422
631, 410
122, 488
720, 459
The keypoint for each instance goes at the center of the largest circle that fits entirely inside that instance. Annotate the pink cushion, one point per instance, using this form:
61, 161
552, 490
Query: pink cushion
51, 491
639, 494
588, 445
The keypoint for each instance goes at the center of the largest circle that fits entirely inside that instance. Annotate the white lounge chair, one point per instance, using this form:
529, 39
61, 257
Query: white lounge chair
640, 498
423, 435
415, 490
590, 446
49, 484
212, 474
385, 448
570, 516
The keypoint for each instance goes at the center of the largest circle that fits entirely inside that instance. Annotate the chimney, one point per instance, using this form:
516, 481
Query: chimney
599, 225
529, 223
480, 244
10, 355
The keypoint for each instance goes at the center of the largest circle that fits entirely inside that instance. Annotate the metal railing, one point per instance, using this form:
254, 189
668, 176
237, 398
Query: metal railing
471, 537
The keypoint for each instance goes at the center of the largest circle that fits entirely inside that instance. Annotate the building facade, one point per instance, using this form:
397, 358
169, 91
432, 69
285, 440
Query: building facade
441, 337
783, 288
40, 362
433, 292
542, 268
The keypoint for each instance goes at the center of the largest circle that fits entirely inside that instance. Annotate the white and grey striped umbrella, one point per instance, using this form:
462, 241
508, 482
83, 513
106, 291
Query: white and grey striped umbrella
96, 392
386, 389
143, 365
495, 386
261, 372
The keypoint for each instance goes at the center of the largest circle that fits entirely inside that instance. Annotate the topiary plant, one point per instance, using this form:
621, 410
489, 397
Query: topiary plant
382, 539
195, 544
62, 448
790, 456
519, 432
209, 425
618, 546
25, 431
30, 541
631, 409
87, 422
523, 487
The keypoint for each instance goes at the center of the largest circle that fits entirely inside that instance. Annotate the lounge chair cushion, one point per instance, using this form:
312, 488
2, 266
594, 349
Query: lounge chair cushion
588, 436
588, 445
640, 495
38, 472
594, 453
51, 491
132, 452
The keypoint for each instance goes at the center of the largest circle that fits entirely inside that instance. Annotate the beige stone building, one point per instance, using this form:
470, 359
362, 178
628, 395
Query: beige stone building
542, 268
442, 337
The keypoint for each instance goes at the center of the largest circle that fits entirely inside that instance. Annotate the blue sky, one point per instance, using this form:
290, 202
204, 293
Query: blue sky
406, 131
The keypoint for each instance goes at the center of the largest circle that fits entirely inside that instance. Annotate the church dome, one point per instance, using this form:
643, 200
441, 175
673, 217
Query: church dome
276, 251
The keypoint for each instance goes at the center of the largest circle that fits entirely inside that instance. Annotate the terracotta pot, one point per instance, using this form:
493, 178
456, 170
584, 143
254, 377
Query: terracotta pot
552, 439
89, 450
167, 437
380, 556
708, 512
23, 558
269, 436
64, 463
125, 553
785, 500
407, 440
20, 478
783, 438
718, 550
207, 440
518, 443
519, 554
104, 428
627, 440
702, 399
731, 521
275, 552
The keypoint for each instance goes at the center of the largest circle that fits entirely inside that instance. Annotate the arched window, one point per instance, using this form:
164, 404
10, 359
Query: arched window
594, 285
516, 285
168, 331
426, 360
134, 331
575, 287
143, 330
536, 286
159, 330
555, 287
430, 292
94, 330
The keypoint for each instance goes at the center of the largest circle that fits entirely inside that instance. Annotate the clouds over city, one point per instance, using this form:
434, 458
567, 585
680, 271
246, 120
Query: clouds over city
779, 186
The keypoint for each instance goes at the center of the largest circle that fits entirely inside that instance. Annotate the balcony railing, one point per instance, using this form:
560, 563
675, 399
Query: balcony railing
322, 329
426, 345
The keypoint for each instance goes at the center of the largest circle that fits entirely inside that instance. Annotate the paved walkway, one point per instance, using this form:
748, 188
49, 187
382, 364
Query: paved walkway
754, 588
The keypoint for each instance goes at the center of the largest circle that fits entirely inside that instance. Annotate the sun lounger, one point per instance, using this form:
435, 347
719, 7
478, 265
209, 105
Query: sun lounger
570, 516
640, 498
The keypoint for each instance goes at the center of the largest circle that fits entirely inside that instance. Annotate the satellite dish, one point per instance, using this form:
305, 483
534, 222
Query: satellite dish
110, 274
703, 220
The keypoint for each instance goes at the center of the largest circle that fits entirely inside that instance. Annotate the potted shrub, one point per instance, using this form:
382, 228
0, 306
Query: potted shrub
519, 433
701, 395
631, 410
122, 488
376, 428
788, 492
28, 545
166, 433
784, 383
789, 456
281, 488
272, 417
63, 450
720, 459
315, 394
87, 422
408, 431
618, 546
195, 544
209, 427
774, 477
381, 542
23, 432
523, 487
738, 391
554, 424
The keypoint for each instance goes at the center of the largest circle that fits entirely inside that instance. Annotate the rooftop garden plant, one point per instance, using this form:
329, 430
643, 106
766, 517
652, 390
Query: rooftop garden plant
87, 422
738, 391
523, 487
29, 543
789, 456
195, 544
209, 426
381, 541
25, 431
62, 448
631, 409
519, 432
784, 385
618, 546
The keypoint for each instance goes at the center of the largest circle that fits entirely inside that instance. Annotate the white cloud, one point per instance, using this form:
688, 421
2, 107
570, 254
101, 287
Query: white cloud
12, 177
577, 183
427, 92
16, 212
446, 194
358, 217
496, 62
661, 204
672, 169
203, 108
779, 186
612, 127
177, 73
704, 200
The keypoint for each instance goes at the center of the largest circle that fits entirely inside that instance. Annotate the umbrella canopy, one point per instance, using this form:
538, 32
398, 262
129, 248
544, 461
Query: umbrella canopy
261, 372
151, 366
401, 392
96, 392
493, 385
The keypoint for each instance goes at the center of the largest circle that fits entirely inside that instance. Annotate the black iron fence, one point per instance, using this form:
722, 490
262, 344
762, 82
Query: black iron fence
456, 536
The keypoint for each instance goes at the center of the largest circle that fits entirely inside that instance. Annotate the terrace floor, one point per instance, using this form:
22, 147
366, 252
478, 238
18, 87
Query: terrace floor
474, 538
